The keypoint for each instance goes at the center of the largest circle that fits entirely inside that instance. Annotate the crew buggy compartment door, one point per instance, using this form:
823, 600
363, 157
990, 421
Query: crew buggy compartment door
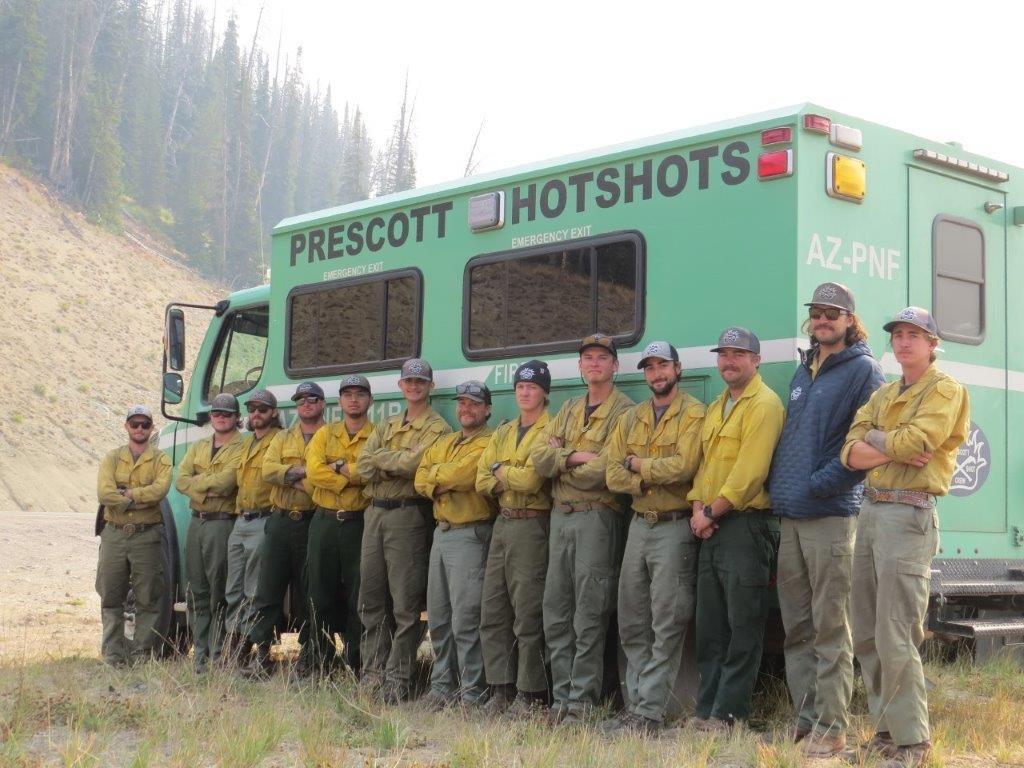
957, 268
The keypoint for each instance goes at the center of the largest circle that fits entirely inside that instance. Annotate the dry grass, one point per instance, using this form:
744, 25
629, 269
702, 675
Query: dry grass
77, 712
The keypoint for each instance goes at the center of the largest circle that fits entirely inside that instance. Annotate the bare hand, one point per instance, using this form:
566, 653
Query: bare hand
633, 464
499, 474
921, 459
555, 442
578, 458
499, 488
128, 493
702, 527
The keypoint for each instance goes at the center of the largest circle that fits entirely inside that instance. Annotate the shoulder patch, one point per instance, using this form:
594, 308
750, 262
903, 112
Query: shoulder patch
947, 388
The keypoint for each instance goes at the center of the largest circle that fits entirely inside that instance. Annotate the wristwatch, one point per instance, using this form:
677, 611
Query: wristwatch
708, 513
625, 463
494, 466
338, 465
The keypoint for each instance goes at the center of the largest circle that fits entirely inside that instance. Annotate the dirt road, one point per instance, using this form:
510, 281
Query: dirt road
48, 600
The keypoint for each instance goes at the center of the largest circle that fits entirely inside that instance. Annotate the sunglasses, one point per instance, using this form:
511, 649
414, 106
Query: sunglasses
258, 408
308, 400
140, 424
832, 313
224, 414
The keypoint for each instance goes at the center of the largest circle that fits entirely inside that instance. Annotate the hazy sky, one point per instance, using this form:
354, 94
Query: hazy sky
553, 78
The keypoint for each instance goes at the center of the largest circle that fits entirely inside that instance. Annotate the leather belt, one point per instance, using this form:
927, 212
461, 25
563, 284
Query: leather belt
411, 501
254, 514
569, 507
444, 525
517, 513
919, 499
341, 515
207, 516
294, 514
131, 529
651, 517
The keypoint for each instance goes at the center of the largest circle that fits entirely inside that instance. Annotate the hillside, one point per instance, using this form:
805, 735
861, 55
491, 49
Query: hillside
81, 315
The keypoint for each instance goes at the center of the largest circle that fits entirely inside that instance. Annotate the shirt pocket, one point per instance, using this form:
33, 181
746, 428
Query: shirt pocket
729, 441
292, 455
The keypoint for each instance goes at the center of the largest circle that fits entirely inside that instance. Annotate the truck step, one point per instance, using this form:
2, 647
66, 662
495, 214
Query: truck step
973, 628
980, 587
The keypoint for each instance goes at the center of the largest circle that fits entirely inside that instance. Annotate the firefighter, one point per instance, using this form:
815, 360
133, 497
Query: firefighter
652, 456
336, 531
132, 481
511, 617
740, 535
252, 507
396, 538
465, 519
283, 556
586, 533
208, 476
906, 437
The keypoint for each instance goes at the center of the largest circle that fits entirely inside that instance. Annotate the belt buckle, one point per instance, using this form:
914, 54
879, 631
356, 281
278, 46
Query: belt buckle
339, 515
650, 517
129, 529
295, 514
444, 525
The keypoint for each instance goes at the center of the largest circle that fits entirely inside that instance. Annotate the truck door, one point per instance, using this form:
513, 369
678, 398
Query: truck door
957, 268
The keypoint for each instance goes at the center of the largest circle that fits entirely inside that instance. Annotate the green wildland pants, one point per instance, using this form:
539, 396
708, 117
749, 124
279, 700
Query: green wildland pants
332, 584
511, 617
282, 565
656, 605
206, 577
814, 581
393, 589
733, 573
892, 572
455, 586
130, 561
244, 546
579, 599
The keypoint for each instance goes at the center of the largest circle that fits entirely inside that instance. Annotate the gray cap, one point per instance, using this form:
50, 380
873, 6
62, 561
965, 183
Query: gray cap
473, 390
263, 396
139, 410
224, 402
660, 349
736, 337
354, 380
415, 368
308, 389
832, 295
918, 316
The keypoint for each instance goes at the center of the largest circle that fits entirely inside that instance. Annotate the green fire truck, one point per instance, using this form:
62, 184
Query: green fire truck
674, 238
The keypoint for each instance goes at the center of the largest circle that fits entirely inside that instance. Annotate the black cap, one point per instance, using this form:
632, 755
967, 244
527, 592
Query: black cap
473, 390
308, 389
534, 372
918, 316
602, 340
832, 295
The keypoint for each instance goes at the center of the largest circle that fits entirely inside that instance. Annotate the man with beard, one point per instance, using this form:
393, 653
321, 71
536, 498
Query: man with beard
586, 533
208, 476
447, 475
906, 437
741, 536
336, 532
511, 617
252, 507
818, 500
396, 539
653, 455
132, 481
283, 557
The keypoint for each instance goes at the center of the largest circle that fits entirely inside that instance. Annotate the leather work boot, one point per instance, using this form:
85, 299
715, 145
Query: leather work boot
710, 725
260, 667
501, 699
801, 732
630, 724
907, 756
823, 745
527, 705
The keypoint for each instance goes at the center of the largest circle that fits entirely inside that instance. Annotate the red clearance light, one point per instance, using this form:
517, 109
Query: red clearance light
817, 123
773, 165
776, 136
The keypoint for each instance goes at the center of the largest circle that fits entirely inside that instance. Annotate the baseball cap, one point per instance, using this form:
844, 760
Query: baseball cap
660, 349
224, 402
918, 316
308, 389
534, 372
139, 410
473, 390
736, 337
264, 396
832, 295
602, 340
354, 380
415, 368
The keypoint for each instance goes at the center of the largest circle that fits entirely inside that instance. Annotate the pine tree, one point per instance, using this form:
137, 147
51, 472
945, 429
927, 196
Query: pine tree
21, 74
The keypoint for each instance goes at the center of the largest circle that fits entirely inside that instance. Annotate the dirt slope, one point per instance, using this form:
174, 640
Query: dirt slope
81, 314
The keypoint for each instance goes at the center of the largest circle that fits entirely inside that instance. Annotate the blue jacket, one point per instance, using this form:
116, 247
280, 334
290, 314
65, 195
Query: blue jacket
807, 478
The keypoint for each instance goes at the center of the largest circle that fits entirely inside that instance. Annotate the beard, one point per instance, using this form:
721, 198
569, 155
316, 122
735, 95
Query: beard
660, 390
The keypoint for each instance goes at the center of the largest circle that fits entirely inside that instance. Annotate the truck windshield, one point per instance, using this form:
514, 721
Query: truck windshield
241, 348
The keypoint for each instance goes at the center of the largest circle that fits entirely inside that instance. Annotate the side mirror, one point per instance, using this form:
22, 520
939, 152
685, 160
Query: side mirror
175, 341
174, 388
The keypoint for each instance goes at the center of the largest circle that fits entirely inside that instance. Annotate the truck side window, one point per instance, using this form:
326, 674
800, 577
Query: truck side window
545, 299
241, 348
958, 280
360, 324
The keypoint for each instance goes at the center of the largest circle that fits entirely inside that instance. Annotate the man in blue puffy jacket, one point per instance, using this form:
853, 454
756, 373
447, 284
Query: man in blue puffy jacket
818, 499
